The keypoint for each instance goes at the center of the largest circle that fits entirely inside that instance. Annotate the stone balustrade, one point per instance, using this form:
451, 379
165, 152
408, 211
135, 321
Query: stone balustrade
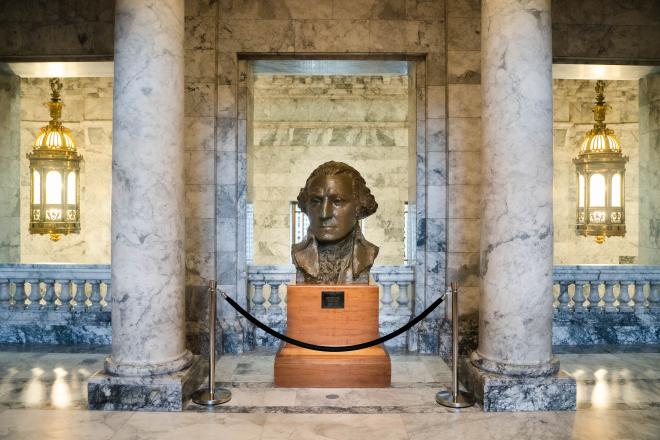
401, 278
70, 303
267, 287
60, 287
608, 289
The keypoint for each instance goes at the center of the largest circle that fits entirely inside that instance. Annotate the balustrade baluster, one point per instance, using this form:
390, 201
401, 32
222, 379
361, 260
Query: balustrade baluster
563, 297
578, 296
35, 295
19, 294
108, 296
274, 298
402, 300
4, 293
386, 297
49, 296
624, 297
258, 299
65, 295
594, 296
80, 297
95, 296
654, 296
609, 298
639, 301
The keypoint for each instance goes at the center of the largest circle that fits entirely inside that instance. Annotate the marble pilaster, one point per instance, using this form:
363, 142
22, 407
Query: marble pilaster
513, 367
10, 246
649, 174
150, 367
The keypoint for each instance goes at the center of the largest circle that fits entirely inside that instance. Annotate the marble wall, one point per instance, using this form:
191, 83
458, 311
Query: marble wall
573, 117
299, 122
464, 152
76, 29
88, 114
606, 31
649, 170
10, 247
412, 29
586, 30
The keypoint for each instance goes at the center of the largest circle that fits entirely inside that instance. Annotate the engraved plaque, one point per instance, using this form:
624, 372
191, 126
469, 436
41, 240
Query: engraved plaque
332, 299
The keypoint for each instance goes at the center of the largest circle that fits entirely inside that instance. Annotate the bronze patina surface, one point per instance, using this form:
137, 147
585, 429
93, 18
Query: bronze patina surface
335, 198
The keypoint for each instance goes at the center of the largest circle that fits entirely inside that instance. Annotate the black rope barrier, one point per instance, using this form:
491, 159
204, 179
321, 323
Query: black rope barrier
340, 348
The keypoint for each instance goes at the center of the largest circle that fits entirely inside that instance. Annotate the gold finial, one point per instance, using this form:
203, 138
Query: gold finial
600, 107
56, 87
600, 239
55, 104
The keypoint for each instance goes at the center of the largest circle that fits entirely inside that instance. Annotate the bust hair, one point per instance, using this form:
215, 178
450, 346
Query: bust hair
367, 202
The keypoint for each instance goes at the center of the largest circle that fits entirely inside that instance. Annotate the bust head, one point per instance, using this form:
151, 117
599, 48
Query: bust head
334, 198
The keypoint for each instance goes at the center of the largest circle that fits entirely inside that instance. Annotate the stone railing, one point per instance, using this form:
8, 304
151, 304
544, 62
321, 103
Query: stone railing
273, 280
595, 288
267, 287
401, 278
65, 287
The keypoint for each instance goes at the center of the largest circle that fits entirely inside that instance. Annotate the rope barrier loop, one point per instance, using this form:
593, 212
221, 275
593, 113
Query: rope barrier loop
340, 348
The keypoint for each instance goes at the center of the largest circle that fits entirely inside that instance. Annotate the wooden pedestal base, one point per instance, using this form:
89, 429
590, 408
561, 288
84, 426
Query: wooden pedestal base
301, 368
352, 320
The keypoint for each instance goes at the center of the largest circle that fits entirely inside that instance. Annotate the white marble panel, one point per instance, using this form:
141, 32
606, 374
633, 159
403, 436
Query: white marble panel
464, 100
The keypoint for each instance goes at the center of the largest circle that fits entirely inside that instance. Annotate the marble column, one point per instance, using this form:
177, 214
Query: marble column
150, 367
513, 368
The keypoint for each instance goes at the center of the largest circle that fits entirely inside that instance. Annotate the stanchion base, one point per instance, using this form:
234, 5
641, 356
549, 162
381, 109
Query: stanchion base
203, 396
446, 398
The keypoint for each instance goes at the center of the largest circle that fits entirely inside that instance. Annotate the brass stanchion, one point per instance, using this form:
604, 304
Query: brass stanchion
454, 398
212, 395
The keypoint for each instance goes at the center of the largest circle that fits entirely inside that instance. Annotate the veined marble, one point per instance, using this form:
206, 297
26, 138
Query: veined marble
42, 394
148, 189
148, 368
516, 227
513, 367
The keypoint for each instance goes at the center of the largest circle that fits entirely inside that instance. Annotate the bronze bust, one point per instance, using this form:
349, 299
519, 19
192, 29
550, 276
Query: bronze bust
335, 198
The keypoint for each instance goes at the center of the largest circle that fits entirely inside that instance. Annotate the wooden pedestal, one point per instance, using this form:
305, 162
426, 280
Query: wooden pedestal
312, 319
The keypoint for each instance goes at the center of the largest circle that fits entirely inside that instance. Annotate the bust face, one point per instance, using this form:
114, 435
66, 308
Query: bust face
331, 207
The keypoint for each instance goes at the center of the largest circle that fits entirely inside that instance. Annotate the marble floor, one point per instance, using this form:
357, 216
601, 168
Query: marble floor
43, 396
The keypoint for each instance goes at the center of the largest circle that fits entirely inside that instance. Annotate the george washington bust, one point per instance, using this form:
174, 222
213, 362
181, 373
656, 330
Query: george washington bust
335, 198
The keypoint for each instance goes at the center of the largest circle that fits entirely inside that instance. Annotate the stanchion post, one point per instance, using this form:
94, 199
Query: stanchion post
212, 395
456, 398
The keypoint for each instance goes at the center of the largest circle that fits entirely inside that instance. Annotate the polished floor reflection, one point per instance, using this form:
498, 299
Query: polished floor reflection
43, 395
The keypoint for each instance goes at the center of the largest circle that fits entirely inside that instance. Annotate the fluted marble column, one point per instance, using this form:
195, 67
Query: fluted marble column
148, 279
515, 312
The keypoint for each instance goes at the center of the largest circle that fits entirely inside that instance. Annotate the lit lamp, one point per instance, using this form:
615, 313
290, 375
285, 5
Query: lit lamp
54, 176
600, 172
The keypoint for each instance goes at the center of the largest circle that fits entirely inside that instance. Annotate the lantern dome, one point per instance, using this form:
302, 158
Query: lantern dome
55, 137
600, 141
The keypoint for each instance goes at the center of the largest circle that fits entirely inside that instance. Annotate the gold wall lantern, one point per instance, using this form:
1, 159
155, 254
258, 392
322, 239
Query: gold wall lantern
54, 175
601, 171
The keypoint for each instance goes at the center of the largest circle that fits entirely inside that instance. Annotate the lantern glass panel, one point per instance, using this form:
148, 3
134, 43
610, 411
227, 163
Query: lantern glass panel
616, 190
53, 187
36, 187
71, 188
581, 191
597, 190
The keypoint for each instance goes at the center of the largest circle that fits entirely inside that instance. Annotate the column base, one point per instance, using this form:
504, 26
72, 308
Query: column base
166, 392
497, 392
